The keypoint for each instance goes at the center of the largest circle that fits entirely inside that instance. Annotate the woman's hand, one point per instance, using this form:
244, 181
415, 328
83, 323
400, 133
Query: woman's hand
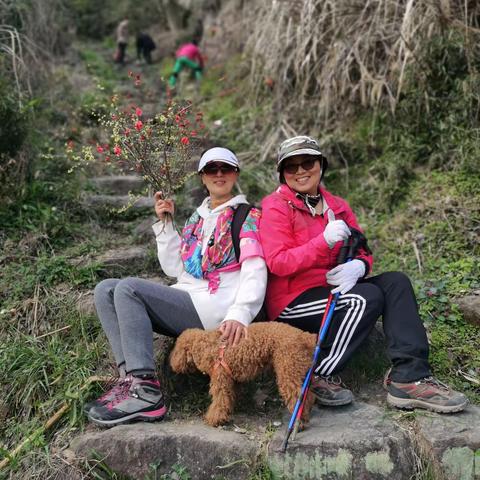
345, 276
162, 206
232, 332
335, 232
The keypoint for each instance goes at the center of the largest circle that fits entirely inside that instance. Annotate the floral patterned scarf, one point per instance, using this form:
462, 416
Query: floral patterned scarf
219, 253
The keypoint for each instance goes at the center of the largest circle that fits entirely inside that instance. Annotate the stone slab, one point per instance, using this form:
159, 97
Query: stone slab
118, 202
205, 452
118, 184
358, 441
123, 261
470, 308
452, 443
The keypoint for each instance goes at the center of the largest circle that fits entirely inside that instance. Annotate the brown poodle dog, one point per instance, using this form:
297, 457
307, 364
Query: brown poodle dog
287, 349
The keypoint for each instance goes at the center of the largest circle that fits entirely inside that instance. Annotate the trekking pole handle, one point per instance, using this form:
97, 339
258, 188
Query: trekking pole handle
344, 251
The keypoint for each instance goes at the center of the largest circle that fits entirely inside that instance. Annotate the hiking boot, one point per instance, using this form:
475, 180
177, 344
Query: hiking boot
427, 393
117, 389
330, 392
142, 401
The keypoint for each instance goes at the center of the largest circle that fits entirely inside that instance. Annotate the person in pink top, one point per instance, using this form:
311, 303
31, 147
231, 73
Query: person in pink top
302, 229
188, 55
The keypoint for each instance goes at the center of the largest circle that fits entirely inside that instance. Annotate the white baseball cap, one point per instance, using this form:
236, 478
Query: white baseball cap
218, 154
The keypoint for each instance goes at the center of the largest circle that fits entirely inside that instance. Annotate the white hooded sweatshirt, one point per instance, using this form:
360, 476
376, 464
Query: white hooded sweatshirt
240, 293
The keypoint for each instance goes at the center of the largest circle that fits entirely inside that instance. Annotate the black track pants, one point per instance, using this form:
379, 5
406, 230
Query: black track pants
390, 295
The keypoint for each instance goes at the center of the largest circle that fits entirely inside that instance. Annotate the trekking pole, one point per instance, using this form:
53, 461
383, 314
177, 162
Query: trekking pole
345, 253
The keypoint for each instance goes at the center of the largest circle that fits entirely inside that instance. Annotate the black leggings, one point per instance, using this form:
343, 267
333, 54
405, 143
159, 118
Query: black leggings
390, 295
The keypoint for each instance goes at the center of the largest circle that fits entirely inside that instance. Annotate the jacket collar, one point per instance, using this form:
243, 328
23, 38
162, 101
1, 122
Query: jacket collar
290, 196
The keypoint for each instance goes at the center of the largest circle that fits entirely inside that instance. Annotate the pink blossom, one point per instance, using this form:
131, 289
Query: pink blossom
117, 150
100, 149
138, 112
185, 140
138, 125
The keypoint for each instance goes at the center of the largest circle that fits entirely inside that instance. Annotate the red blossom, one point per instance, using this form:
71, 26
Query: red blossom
107, 158
138, 112
138, 125
100, 149
193, 133
117, 150
142, 137
185, 140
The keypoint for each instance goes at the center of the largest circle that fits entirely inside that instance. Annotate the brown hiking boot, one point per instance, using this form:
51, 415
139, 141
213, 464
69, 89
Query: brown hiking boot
330, 392
427, 393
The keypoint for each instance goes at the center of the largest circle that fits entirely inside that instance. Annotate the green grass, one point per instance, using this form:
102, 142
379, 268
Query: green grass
413, 184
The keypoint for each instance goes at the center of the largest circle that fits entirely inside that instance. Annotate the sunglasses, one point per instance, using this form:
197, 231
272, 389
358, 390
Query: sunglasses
292, 168
214, 168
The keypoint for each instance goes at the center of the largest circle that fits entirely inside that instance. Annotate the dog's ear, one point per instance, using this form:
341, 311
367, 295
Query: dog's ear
181, 357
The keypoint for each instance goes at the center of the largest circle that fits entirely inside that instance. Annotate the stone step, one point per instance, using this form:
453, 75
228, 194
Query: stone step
118, 184
357, 441
451, 443
205, 452
360, 441
117, 202
123, 260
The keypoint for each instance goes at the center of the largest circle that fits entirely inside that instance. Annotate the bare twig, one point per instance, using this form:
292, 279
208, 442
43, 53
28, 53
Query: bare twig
417, 256
66, 327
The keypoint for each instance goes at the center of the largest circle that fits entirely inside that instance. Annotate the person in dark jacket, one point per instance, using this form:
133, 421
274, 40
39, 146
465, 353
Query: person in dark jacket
145, 46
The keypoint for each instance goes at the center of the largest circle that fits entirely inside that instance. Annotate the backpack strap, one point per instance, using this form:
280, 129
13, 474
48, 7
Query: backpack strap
239, 216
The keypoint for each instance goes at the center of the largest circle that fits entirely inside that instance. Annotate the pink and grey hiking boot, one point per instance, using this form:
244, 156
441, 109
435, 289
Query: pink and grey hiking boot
142, 401
427, 393
117, 389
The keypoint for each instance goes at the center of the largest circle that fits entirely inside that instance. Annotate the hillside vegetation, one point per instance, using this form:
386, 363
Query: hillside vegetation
391, 90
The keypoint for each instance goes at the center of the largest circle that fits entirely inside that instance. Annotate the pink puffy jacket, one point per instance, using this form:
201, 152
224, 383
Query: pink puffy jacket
297, 255
191, 51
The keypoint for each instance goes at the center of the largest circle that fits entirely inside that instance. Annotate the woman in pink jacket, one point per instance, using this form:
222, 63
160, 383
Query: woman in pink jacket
302, 229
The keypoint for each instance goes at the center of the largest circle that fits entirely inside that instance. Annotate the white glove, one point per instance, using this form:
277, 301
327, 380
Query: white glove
345, 275
335, 232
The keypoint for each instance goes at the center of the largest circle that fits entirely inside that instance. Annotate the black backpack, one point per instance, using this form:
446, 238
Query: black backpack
239, 216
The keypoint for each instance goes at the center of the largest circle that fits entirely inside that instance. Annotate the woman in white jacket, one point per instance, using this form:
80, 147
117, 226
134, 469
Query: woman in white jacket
213, 290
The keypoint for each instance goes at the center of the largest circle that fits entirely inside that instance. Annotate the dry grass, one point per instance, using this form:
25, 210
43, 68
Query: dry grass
329, 56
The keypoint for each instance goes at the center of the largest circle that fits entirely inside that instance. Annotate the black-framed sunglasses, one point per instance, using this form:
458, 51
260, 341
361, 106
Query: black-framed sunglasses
214, 168
307, 164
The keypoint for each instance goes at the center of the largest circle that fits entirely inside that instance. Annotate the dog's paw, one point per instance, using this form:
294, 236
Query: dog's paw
214, 418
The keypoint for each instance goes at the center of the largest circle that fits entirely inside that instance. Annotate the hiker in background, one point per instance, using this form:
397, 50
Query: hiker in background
145, 46
188, 55
122, 41
214, 290
302, 229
